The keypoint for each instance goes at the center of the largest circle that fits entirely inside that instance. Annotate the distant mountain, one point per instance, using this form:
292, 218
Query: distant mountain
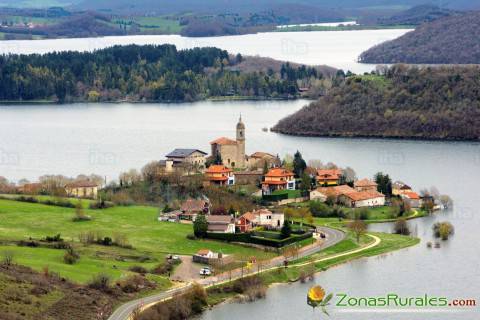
449, 40
405, 102
417, 15
155, 7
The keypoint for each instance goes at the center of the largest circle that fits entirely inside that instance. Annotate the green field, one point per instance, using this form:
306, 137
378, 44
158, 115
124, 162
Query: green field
149, 238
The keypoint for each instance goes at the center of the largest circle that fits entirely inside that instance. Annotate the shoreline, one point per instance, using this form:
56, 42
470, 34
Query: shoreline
372, 137
123, 101
331, 261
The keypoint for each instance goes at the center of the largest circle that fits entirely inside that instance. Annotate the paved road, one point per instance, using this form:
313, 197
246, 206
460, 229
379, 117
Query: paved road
123, 312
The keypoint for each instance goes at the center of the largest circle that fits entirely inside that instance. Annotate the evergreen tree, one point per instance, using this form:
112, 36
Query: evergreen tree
200, 226
286, 230
299, 165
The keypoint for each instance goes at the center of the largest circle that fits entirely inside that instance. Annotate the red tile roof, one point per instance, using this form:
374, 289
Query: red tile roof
218, 168
223, 141
363, 195
279, 172
365, 183
412, 195
82, 184
193, 205
262, 155
329, 174
203, 252
336, 191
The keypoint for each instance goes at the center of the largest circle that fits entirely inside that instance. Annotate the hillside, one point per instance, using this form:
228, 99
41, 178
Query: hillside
417, 15
149, 73
450, 40
405, 102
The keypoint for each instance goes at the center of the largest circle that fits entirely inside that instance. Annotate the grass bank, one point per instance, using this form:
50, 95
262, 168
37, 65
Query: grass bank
150, 239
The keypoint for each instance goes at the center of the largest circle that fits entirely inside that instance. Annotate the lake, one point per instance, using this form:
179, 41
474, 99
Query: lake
108, 138
338, 49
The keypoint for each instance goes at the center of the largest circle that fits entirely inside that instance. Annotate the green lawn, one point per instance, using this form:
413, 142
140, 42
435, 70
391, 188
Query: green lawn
292, 194
20, 220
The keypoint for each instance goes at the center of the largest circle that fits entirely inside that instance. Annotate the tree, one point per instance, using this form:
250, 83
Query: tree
401, 227
306, 184
443, 230
384, 183
358, 227
286, 230
200, 226
299, 165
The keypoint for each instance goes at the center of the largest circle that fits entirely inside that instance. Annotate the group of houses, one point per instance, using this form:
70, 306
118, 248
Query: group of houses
217, 223
363, 193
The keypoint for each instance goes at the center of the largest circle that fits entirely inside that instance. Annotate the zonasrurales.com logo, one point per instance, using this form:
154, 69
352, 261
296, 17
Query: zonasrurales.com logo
317, 297
390, 300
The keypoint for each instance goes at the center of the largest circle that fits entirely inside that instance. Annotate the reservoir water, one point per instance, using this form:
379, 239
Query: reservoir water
109, 138
338, 49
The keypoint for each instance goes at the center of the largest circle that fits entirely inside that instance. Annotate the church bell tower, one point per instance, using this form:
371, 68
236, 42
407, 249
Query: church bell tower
240, 143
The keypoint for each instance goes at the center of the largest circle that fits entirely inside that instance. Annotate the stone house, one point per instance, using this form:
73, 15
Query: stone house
82, 189
185, 159
190, 208
362, 199
398, 187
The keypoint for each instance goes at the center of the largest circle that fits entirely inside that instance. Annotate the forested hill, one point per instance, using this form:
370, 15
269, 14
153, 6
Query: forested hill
450, 40
148, 73
417, 15
403, 102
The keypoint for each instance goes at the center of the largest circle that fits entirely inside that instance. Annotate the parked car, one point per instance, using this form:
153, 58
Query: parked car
205, 271
322, 235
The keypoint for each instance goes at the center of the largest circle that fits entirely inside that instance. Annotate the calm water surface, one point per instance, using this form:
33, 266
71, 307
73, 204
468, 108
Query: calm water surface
108, 138
338, 49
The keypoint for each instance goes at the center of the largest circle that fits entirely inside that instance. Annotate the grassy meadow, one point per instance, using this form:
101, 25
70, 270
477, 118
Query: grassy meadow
151, 239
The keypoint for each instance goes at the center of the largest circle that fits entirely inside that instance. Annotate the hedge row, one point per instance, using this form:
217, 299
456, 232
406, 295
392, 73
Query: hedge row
251, 238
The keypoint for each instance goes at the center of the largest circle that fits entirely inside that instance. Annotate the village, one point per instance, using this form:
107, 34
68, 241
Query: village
279, 188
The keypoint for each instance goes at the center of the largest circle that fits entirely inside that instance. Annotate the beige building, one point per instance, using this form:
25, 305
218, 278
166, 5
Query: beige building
82, 189
187, 160
365, 185
232, 152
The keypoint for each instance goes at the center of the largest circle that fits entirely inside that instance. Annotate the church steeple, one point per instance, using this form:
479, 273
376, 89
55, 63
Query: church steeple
240, 129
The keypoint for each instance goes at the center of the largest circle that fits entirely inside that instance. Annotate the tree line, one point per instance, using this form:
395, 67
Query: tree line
397, 102
141, 73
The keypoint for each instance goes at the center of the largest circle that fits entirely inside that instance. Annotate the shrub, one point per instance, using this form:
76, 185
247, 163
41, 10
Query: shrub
71, 257
100, 282
163, 269
138, 269
100, 204
401, 227
443, 230
191, 236
55, 238
107, 241
7, 258
121, 240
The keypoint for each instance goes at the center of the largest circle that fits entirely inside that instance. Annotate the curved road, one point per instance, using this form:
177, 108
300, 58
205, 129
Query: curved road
123, 312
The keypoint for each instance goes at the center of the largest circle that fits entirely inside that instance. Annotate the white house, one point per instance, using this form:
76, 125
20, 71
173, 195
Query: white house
266, 218
363, 199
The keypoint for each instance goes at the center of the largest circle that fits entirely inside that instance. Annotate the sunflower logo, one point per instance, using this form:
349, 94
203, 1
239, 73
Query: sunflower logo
316, 297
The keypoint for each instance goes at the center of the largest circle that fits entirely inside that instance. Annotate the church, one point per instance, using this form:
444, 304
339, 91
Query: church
232, 152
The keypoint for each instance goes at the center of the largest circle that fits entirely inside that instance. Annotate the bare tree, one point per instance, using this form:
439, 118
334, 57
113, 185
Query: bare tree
358, 227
